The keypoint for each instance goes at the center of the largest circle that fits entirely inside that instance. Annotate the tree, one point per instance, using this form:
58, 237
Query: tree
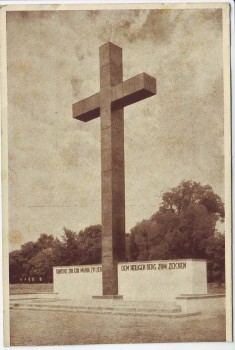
16, 266
41, 265
90, 242
69, 250
191, 192
215, 251
45, 241
182, 227
80, 248
27, 261
36, 259
139, 247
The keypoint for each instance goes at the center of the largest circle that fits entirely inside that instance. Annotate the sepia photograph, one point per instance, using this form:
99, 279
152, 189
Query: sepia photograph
116, 174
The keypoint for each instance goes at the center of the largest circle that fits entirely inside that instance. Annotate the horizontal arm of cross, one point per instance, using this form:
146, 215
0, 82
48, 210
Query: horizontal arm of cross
124, 94
133, 90
87, 109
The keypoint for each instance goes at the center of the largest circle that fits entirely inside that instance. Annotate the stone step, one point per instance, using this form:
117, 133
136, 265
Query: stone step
117, 310
123, 303
160, 305
108, 312
97, 308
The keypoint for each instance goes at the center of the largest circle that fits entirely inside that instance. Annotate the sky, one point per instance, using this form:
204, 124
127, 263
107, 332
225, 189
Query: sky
54, 160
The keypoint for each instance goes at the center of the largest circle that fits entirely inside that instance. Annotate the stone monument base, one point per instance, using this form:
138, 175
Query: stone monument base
161, 280
208, 303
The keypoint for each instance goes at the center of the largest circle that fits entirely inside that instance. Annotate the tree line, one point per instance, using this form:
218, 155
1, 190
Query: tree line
35, 260
184, 227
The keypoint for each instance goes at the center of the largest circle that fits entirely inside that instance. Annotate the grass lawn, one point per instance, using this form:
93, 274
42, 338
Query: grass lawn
30, 327
31, 288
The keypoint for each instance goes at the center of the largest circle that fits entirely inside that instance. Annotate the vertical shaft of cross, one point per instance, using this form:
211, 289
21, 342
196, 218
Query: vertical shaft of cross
112, 169
109, 104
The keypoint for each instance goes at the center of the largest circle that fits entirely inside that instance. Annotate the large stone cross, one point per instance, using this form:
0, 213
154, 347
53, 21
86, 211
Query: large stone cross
109, 103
